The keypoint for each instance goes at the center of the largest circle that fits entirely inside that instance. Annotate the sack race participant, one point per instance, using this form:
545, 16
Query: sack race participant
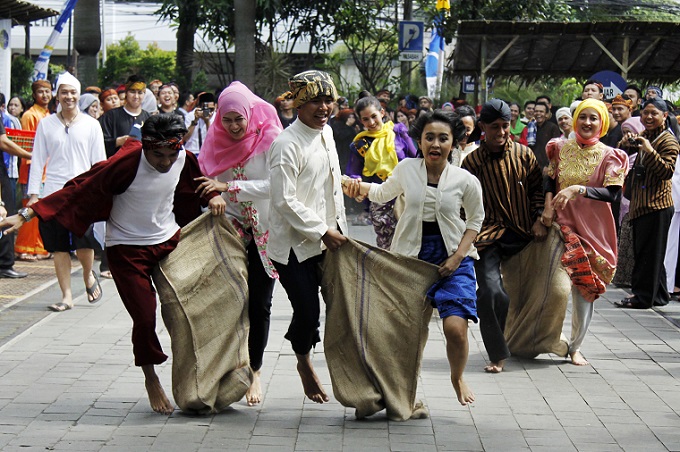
236, 153
432, 229
144, 193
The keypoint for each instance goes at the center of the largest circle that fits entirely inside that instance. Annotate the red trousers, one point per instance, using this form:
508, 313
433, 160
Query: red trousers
131, 267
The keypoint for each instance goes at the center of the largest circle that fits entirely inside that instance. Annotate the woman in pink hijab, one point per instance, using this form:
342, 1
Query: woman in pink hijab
235, 155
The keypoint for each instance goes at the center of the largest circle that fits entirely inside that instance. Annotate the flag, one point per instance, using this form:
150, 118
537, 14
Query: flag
434, 62
42, 65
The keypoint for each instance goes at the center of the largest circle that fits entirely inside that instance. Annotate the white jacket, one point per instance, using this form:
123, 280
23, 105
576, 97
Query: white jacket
457, 188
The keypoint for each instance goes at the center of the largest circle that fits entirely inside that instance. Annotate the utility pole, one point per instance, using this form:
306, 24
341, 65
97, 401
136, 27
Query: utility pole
406, 65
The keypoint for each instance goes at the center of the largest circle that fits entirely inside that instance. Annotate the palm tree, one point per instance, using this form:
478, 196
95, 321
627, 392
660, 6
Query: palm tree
244, 41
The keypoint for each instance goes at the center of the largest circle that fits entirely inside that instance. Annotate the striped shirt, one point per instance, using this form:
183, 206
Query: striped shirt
512, 188
653, 191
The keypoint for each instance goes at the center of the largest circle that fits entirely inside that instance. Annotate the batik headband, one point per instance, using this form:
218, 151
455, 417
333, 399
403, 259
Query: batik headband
107, 93
150, 143
137, 86
619, 100
308, 85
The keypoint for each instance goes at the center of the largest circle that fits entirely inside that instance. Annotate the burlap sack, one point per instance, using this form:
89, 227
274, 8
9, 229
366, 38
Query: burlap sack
376, 328
203, 290
538, 287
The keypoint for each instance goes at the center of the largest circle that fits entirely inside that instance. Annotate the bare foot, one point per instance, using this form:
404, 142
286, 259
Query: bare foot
157, 398
310, 382
464, 393
494, 368
577, 359
254, 392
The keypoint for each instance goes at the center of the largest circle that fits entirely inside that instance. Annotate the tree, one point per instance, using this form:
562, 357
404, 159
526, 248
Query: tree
371, 37
22, 69
186, 15
244, 41
126, 58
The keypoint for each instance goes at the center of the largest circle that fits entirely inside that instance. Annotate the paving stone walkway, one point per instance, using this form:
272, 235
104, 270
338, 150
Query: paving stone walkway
67, 382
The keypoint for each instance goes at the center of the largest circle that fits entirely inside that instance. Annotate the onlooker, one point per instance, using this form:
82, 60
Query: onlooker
635, 95
516, 126
592, 89
89, 104
66, 145
528, 111
109, 100
551, 109
425, 103
29, 244
198, 121
8, 207
117, 123
545, 131
565, 121
651, 205
287, 113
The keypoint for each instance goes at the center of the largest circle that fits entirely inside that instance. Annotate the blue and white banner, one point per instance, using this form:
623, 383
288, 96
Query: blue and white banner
43, 63
434, 62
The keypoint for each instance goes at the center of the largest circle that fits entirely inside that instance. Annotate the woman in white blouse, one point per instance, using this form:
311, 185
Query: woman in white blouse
236, 153
431, 227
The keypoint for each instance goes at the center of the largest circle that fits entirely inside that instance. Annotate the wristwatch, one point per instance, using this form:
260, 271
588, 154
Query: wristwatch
24, 214
581, 190
2, 204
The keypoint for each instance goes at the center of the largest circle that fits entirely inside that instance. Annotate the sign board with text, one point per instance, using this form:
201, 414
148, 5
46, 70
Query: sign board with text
411, 40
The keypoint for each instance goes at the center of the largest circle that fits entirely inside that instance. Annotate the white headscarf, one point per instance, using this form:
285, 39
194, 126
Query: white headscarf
67, 79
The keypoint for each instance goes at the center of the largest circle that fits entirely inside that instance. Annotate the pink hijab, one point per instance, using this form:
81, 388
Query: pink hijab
220, 151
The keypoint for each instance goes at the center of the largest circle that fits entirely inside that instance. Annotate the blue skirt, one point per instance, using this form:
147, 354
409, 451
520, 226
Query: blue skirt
457, 293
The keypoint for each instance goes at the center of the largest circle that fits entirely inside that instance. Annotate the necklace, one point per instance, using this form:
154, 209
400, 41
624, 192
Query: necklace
67, 124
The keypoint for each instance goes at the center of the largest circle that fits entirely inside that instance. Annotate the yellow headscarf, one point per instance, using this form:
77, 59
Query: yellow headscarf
380, 157
601, 110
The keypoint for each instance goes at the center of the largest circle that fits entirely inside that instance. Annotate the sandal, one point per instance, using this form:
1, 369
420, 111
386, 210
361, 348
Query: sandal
631, 303
106, 274
27, 257
91, 290
60, 307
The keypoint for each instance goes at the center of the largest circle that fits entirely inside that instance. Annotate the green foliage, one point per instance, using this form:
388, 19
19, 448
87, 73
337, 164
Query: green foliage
200, 82
371, 39
126, 58
273, 72
22, 69
562, 92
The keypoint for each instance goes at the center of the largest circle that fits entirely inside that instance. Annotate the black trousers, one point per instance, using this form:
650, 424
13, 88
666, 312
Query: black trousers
301, 281
8, 197
650, 235
492, 300
260, 291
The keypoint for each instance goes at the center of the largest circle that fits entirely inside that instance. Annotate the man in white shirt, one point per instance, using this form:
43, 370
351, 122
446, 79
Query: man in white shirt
307, 213
66, 144
198, 121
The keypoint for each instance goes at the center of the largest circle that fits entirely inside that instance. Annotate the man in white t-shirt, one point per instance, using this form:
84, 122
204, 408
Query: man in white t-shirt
145, 195
66, 144
307, 213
